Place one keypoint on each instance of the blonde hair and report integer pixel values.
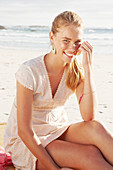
(74, 70)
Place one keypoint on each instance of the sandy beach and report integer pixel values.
(10, 60)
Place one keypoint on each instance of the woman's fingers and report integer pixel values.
(86, 47)
(89, 46)
(86, 54)
(87, 50)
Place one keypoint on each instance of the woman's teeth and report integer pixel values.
(69, 55)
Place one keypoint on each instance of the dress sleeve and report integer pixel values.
(25, 76)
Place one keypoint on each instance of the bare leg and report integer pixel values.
(94, 133)
(76, 156)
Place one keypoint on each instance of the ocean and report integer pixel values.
(37, 38)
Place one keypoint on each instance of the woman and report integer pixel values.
(38, 134)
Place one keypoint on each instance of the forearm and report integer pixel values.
(88, 103)
(34, 145)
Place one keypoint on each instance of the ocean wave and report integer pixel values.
(98, 30)
(41, 28)
(37, 37)
(37, 28)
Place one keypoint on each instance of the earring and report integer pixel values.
(53, 50)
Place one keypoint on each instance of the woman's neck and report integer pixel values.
(54, 64)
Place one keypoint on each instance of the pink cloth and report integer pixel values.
(5, 159)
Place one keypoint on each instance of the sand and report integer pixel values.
(10, 60)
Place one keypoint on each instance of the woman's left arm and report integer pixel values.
(85, 92)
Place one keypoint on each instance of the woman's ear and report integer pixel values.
(51, 36)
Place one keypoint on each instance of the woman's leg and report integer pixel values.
(93, 133)
(76, 156)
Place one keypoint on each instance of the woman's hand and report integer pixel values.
(87, 51)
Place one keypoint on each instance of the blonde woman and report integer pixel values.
(38, 134)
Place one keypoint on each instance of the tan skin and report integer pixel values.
(81, 145)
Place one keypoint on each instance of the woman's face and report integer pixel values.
(67, 42)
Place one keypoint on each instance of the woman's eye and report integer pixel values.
(66, 41)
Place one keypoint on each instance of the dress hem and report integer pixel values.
(54, 136)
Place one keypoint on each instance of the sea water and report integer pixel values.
(37, 38)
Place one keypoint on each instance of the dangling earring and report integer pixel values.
(53, 50)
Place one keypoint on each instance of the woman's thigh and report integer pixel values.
(83, 132)
(71, 155)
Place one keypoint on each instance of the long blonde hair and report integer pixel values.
(74, 70)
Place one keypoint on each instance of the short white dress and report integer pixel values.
(49, 119)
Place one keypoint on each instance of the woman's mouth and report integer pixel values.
(68, 55)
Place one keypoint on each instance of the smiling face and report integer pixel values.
(67, 42)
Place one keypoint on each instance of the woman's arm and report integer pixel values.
(25, 130)
(85, 92)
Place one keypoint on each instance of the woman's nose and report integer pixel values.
(72, 47)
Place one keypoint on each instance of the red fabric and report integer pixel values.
(5, 159)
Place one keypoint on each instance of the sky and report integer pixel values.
(95, 13)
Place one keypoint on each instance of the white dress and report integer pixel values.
(49, 119)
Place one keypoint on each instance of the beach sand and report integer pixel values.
(10, 60)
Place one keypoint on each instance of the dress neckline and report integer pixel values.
(48, 79)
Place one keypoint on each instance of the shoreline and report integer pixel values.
(103, 75)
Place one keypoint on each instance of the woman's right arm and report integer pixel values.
(25, 130)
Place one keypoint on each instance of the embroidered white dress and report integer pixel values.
(49, 119)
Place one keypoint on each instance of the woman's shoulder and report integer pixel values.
(30, 72)
(34, 62)
(35, 65)
(31, 68)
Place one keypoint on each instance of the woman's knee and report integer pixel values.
(95, 128)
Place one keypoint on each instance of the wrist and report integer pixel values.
(88, 70)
